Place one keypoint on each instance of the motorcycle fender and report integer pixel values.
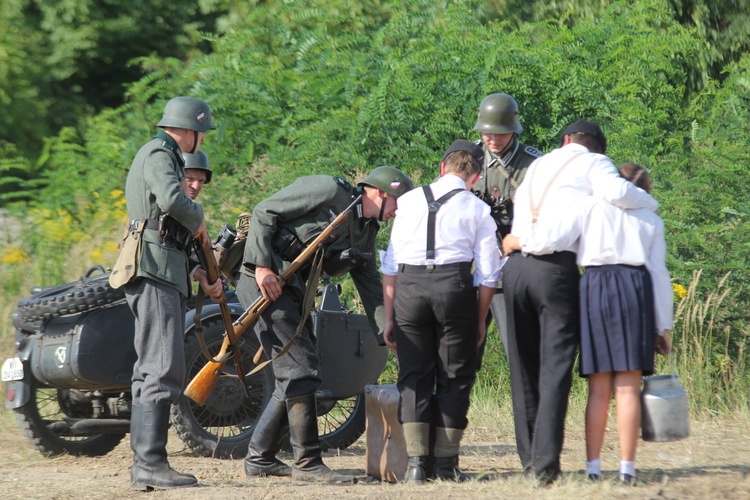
(209, 312)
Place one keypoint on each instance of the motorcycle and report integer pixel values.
(69, 380)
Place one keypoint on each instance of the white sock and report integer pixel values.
(594, 466)
(627, 467)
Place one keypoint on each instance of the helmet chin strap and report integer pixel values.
(382, 207)
(195, 143)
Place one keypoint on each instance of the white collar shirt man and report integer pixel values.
(561, 178)
(464, 232)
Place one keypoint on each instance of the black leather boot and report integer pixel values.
(446, 468)
(149, 426)
(272, 428)
(417, 471)
(303, 432)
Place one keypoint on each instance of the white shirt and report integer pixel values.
(610, 235)
(561, 178)
(464, 231)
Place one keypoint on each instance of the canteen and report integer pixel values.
(664, 409)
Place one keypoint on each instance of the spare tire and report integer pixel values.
(70, 298)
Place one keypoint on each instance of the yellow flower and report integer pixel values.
(12, 255)
(679, 290)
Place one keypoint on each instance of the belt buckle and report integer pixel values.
(430, 264)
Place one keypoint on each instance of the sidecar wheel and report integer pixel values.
(41, 421)
(70, 298)
(343, 424)
(223, 426)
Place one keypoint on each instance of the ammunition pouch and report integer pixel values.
(287, 244)
(173, 233)
(126, 266)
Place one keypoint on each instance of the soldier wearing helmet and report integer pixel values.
(506, 160)
(281, 227)
(165, 219)
(197, 172)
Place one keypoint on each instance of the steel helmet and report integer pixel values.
(188, 113)
(390, 180)
(498, 114)
(198, 161)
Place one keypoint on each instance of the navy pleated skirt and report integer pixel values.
(617, 320)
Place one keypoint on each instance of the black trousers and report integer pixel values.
(542, 302)
(436, 323)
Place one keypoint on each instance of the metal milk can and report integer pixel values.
(664, 409)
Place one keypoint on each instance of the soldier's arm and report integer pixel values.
(370, 289)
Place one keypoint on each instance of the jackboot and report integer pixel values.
(149, 426)
(303, 432)
(268, 436)
(417, 471)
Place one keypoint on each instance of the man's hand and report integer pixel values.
(389, 335)
(482, 331)
(510, 244)
(268, 283)
(214, 290)
(662, 343)
(202, 234)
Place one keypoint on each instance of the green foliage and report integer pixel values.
(340, 87)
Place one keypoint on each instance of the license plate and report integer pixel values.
(12, 370)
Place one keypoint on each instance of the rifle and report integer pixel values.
(208, 258)
(202, 384)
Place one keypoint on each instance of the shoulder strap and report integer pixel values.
(432, 208)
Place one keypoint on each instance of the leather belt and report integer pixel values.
(151, 224)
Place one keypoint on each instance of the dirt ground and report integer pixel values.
(713, 463)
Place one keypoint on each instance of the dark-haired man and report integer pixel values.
(541, 291)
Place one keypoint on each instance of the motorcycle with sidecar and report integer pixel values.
(68, 381)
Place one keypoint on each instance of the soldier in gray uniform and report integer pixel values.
(157, 199)
(281, 227)
(506, 160)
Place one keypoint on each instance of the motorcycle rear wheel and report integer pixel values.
(222, 428)
(42, 415)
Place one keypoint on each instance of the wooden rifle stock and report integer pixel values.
(202, 384)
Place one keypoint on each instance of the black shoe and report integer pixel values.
(596, 478)
(627, 479)
(446, 469)
(547, 477)
(417, 471)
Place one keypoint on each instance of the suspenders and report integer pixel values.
(433, 206)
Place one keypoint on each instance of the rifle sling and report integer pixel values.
(307, 304)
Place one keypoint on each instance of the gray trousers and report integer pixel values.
(159, 371)
(296, 372)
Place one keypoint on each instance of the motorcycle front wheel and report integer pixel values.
(223, 426)
(44, 423)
